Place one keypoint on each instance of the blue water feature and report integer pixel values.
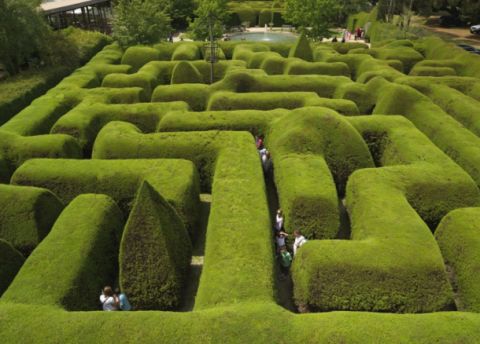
(263, 37)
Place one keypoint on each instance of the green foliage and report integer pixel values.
(195, 95)
(331, 274)
(458, 239)
(27, 215)
(155, 253)
(140, 21)
(76, 260)
(185, 72)
(10, 262)
(176, 180)
(302, 49)
(209, 11)
(138, 56)
(186, 51)
(314, 152)
(313, 17)
(23, 32)
(239, 213)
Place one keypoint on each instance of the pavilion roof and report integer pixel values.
(54, 6)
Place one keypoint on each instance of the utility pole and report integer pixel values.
(212, 47)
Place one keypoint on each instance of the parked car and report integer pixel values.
(475, 29)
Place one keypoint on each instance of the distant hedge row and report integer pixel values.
(17, 92)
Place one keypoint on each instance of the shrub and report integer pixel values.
(319, 68)
(462, 108)
(27, 215)
(138, 56)
(18, 149)
(238, 219)
(84, 122)
(408, 274)
(155, 253)
(185, 72)
(176, 180)
(457, 237)
(314, 151)
(195, 95)
(186, 51)
(17, 92)
(76, 260)
(10, 262)
(302, 49)
(455, 140)
(142, 80)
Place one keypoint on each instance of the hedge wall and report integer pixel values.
(176, 180)
(76, 260)
(10, 262)
(84, 122)
(238, 221)
(27, 215)
(388, 208)
(457, 237)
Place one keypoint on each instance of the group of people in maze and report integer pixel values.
(118, 301)
(284, 256)
(114, 301)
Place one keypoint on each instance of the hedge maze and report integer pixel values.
(376, 158)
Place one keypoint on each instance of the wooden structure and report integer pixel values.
(86, 14)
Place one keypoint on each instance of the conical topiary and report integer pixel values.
(155, 253)
(302, 49)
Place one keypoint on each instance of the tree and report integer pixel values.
(181, 11)
(141, 21)
(467, 10)
(348, 7)
(23, 32)
(214, 11)
(313, 17)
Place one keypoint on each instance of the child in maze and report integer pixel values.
(109, 300)
(280, 240)
(299, 241)
(285, 260)
(122, 298)
(279, 220)
(266, 162)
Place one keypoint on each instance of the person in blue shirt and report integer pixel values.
(124, 304)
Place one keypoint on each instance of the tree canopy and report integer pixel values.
(209, 10)
(23, 32)
(313, 17)
(141, 21)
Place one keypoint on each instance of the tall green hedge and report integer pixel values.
(176, 180)
(155, 253)
(27, 215)
(10, 262)
(76, 260)
(458, 239)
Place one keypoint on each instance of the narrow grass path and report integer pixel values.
(198, 252)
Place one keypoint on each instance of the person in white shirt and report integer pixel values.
(299, 241)
(109, 300)
(279, 220)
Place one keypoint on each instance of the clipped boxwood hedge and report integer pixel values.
(458, 239)
(155, 253)
(10, 262)
(176, 180)
(27, 215)
(76, 260)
